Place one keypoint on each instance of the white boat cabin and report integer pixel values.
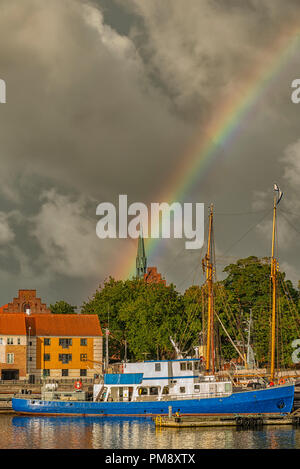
(160, 380)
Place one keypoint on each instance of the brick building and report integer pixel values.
(13, 346)
(35, 343)
(152, 276)
(50, 345)
(26, 299)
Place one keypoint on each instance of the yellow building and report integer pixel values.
(64, 346)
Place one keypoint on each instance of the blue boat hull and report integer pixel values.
(263, 401)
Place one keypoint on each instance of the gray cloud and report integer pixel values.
(104, 98)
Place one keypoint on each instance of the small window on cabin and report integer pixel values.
(196, 365)
(189, 366)
(143, 391)
(182, 390)
(157, 367)
(165, 390)
(197, 388)
(182, 366)
(153, 391)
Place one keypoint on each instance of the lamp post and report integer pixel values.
(29, 351)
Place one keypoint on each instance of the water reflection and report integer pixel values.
(130, 433)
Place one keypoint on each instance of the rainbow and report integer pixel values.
(221, 128)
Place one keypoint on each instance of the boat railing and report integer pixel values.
(172, 397)
(197, 395)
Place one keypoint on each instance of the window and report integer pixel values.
(157, 367)
(82, 372)
(1, 341)
(46, 373)
(65, 357)
(227, 387)
(196, 365)
(65, 372)
(182, 366)
(19, 341)
(65, 343)
(182, 390)
(83, 357)
(10, 341)
(83, 342)
(153, 391)
(189, 366)
(46, 357)
(197, 388)
(10, 358)
(165, 390)
(47, 342)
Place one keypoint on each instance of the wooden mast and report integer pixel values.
(209, 280)
(274, 292)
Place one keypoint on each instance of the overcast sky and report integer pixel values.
(104, 98)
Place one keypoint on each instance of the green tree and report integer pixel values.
(248, 287)
(62, 307)
(145, 315)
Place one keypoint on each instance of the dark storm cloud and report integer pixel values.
(103, 98)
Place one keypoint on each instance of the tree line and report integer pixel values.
(146, 320)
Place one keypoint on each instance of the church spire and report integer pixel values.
(141, 259)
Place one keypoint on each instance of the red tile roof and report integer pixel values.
(80, 325)
(12, 324)
(72, 325)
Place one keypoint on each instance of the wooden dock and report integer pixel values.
(242, 421)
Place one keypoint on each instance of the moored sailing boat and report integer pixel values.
(154, 387)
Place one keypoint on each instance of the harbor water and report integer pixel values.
(26, 432)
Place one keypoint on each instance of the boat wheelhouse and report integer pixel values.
(160, 380)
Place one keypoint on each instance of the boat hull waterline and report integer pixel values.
(278, 399)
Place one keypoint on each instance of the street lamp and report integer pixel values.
(29, 354)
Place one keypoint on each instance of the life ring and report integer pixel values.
(281, 381)
(271, 383)
(78, 384)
